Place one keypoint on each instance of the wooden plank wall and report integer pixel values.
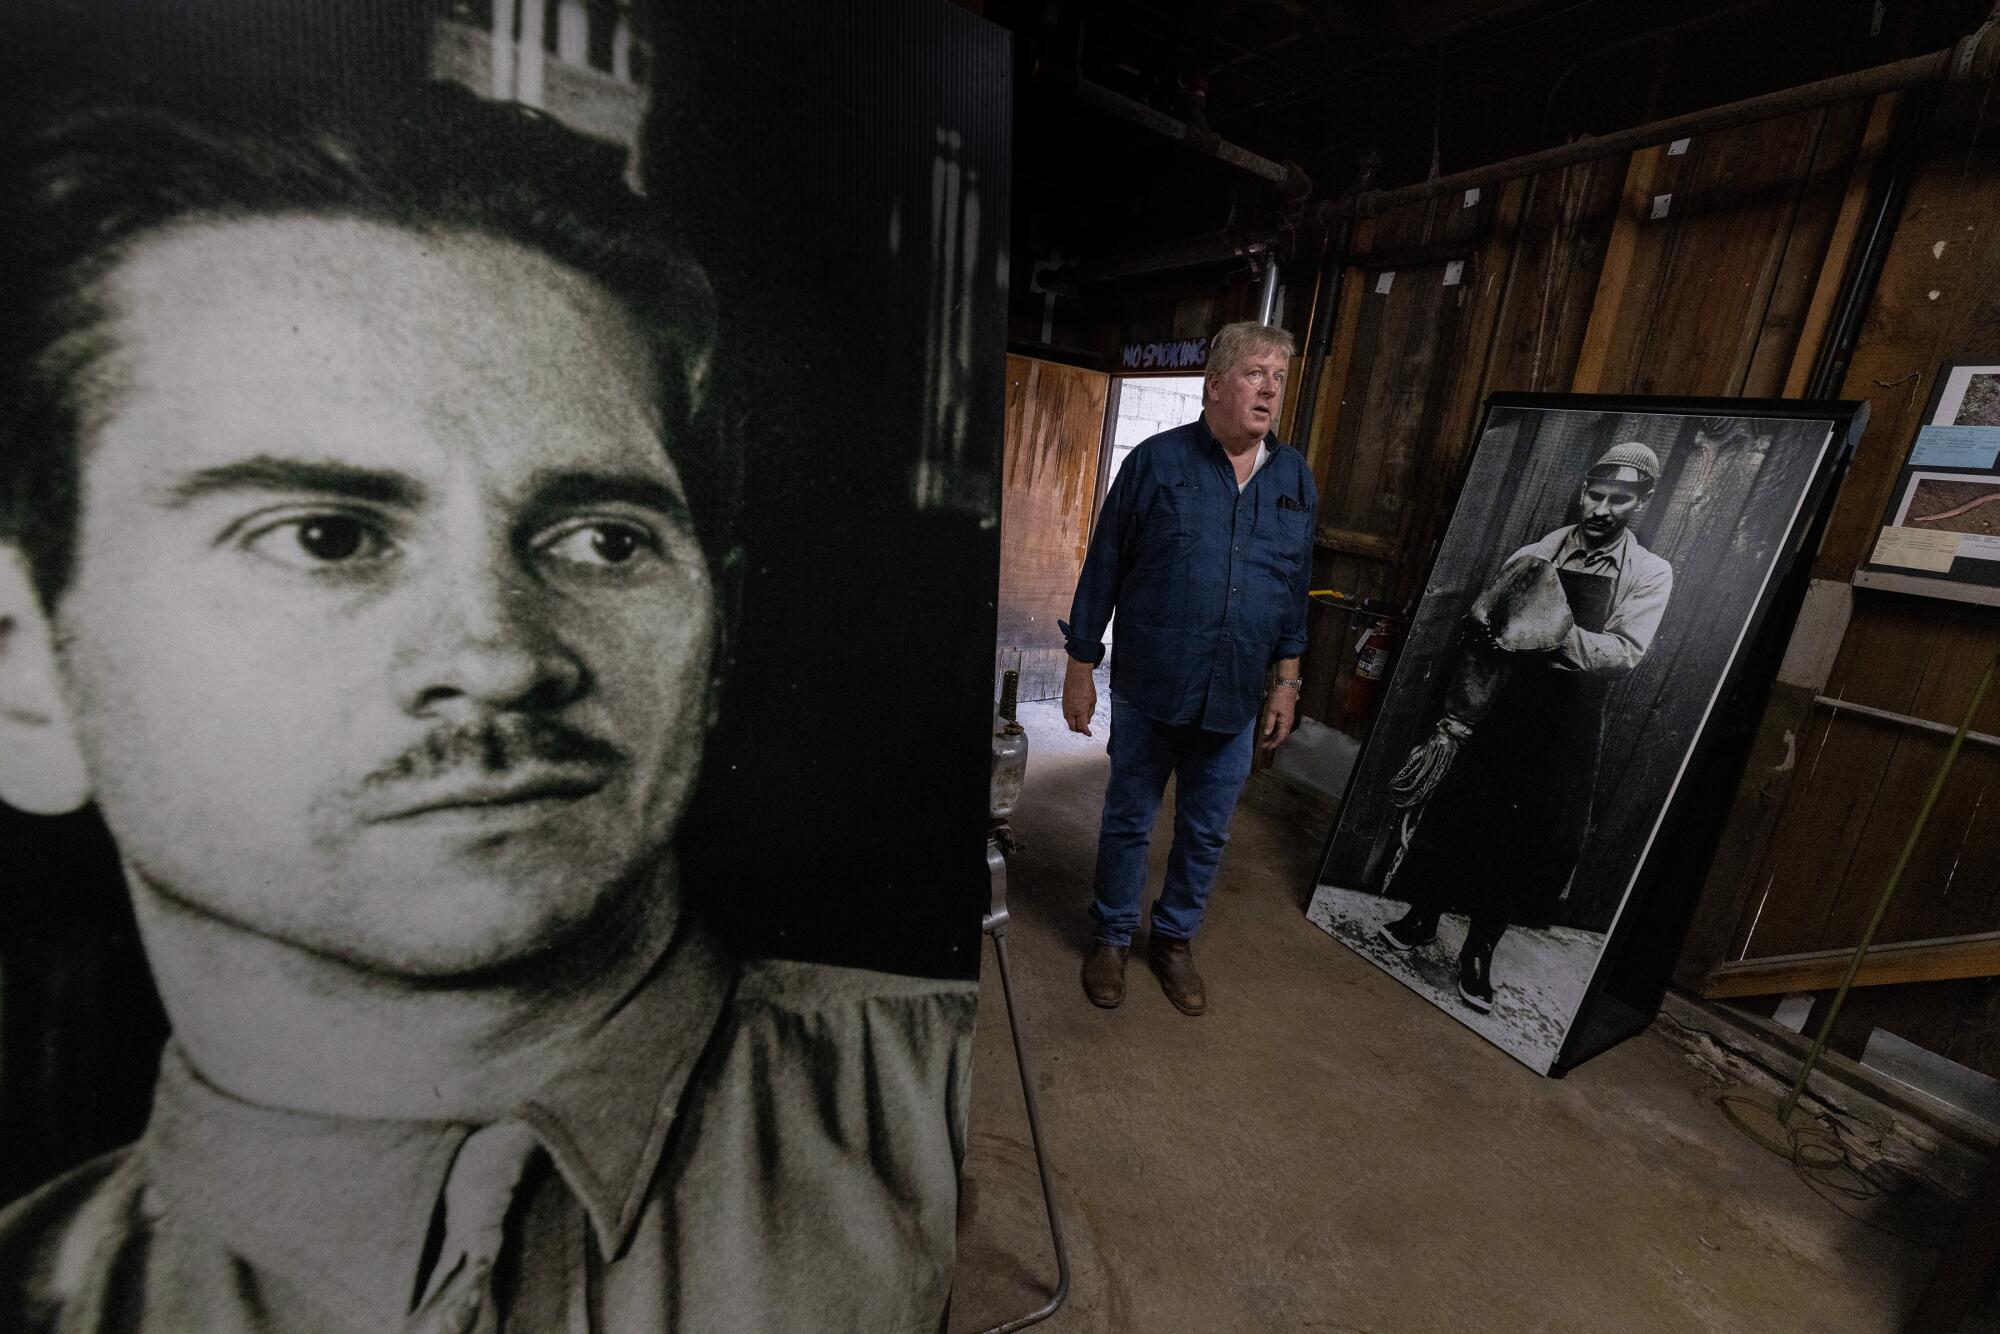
(1714, 302)
(1591, 280)
(1830, 798)
(1575, 279)
(1861, 782)
(1399, 347)
(1054, 430)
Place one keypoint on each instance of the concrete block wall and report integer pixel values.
(1148, 406)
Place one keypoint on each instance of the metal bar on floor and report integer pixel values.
(1772, 1127)
(996, 926)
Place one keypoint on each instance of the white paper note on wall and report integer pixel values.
(1915, 549)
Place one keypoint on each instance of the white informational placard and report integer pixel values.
(1940, 533)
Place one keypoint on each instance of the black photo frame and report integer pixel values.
(1741, 491)
(817, 277)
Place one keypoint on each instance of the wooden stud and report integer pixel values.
(1840, 248)
(1288, 415)
(1491, 276)
(1641, 174)
(1371, 545)
(1936, 280)
(1940, 960)
(1835, 773)
(1333, 384)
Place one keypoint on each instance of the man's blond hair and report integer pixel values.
(1245, 338)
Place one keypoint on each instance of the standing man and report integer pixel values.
(1491, 809)
(363, 558)
(1204, 549)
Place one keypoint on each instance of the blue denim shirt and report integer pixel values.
(1209, 585)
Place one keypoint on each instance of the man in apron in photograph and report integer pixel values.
(1492, 807)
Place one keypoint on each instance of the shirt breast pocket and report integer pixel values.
(1284, 536)
(1172, 521)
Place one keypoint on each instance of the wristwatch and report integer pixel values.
(1291, 682)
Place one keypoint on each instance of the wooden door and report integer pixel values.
(1054, 435)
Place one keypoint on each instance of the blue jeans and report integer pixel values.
(1209, 769)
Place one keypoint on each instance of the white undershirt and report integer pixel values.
(1263, 453)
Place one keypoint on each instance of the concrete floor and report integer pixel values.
(1325, 1151)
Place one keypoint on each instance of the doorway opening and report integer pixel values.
(1142, 406)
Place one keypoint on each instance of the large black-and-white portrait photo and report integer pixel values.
(463, 477)
(1591, 595)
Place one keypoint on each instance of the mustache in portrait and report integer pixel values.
(494, 746)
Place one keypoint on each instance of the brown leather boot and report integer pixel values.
(1104, 974)
(1174, 963)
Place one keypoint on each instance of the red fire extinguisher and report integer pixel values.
(1372, 653)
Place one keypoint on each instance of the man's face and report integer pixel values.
(1243, 401)
(1607, 508)
(388, 636)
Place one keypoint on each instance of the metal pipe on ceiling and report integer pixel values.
(1287, 176)
(1345, 77)
(1974, 57)
(1217, 248)
(1626, 43)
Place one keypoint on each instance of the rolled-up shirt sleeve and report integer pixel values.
(1104, 567)
(1628, 633)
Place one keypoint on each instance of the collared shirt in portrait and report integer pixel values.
(1208, 578)
(1641, 585)
(765, 1147)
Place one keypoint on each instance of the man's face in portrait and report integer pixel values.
(1243, 401)
(1608, 508)
(387, 635)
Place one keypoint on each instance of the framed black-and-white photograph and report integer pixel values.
(1608, 563)
(466, 468)
(1940, 534)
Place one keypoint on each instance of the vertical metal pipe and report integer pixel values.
(1319, 339)
(1337, 217)
(1843, 333)
(1267, 299)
